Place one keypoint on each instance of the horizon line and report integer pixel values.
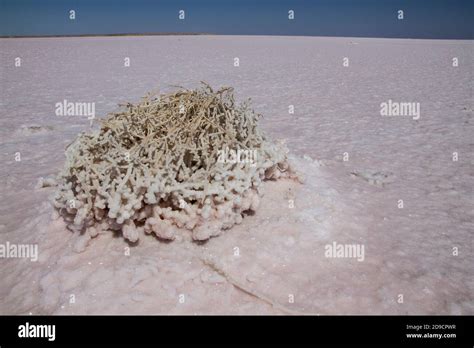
(213, 34)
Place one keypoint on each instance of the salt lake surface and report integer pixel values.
(389, 184)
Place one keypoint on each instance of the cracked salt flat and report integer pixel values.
(408, 251)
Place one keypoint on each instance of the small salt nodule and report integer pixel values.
(161, 166)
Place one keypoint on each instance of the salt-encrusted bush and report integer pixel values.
(190, 160)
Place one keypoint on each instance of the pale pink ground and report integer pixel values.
(408, 251)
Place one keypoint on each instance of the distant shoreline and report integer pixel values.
(213, 34)
(98, 35)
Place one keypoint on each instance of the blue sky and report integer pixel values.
(444, 19)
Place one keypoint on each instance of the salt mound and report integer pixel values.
(190, 160)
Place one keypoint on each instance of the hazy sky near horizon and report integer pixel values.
(442, 19)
